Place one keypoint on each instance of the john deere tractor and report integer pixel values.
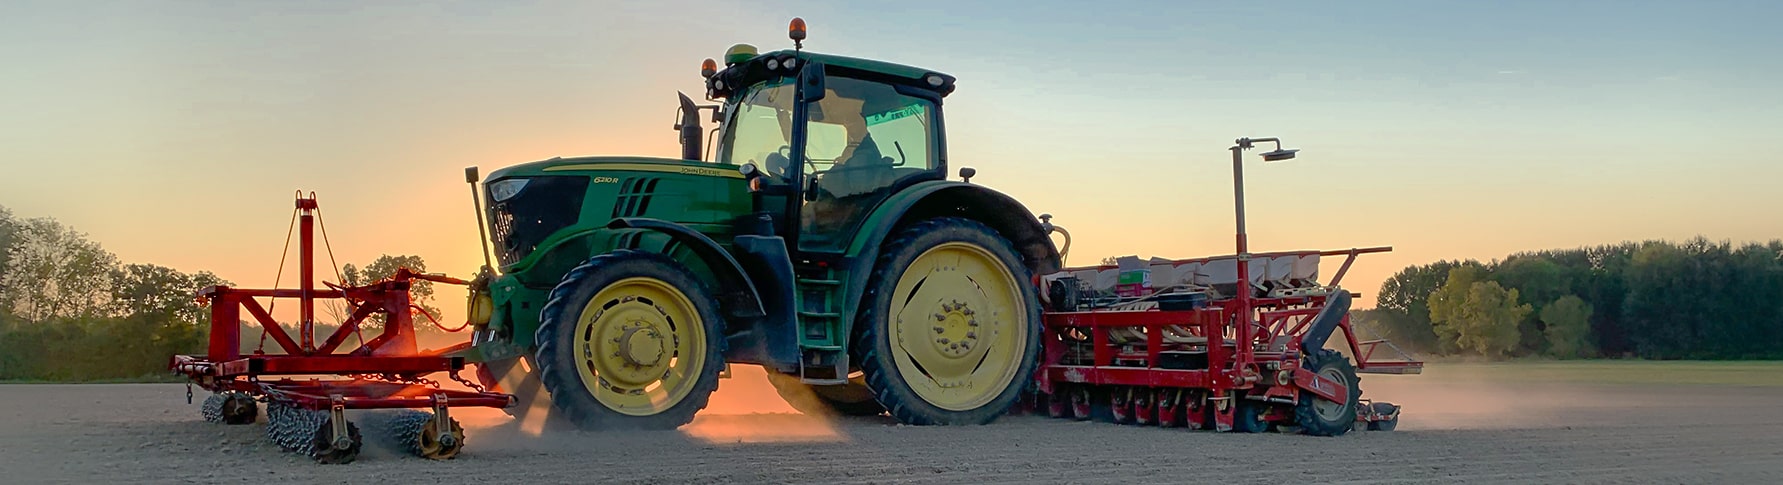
(821, 240)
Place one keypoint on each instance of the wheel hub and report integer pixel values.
(956, 329)
(640, 345)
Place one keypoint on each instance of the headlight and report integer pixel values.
(773, 64)
(506, 189)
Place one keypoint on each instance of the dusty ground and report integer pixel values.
(1458, 427)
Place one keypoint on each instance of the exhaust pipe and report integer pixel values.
(691, 132)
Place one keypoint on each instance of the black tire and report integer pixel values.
(558, 366)
(874, 334)
(851, 399)
(532, 409)
(1248, 416)
(239, 408)
(1314, 414)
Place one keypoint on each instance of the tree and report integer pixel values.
(1402, 306)
(148, 289)
(420, 293)
(1568, 327)
(8, 235)
(54, 272)
(1480, 317)
(1445, 304)
(1538, 281)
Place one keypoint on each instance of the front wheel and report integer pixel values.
(950, 331)
(630, 340)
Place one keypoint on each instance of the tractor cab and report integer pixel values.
(826, 138)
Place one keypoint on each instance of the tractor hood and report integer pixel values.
(565, 203)
(556, 166)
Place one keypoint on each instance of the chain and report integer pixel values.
(397, 379)
(467, 382)
(419, 380)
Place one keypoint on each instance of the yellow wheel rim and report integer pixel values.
(640, 345)
(958, 324)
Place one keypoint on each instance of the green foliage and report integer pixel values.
(1478, 317)
(1662, 300)
(421, 292)
(1568, 327)
(69, 312)
(55, 273)
(1538, 280)
(1402, 311)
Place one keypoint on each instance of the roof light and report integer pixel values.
(796, 30)
(933, 80)
(790, 63)
(773, 64)
(708, 68)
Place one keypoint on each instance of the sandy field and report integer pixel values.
(1462, 424)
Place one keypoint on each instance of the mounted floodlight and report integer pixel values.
(1278, 155)
(708, 68)
(796, 32)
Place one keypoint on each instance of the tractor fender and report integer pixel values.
(736, 292)
(942, 198)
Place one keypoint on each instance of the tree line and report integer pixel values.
(71, 311)
(1697, 299)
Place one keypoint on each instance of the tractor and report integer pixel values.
(819, 238)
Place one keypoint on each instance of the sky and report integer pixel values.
(175, 133)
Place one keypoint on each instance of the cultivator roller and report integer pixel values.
(386, 374)
(1226, 343)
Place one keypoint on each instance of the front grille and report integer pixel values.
(544, 205)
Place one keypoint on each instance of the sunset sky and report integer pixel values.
(176, 132)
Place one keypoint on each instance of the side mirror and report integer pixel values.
(966, 173)
(811, 82)
(470, 175)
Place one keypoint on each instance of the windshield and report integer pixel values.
(760, 129)
(892, 127)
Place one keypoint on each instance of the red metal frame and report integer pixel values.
(1236, 335)
(393, 353)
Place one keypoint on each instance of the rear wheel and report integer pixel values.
(1318, 416)
(950, 331)
(630, 340)
(851, 399)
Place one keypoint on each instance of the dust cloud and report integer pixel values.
(1465, 398)
(745, 409)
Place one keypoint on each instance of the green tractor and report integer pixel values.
(822, 240)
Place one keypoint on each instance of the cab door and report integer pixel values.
(863, 141)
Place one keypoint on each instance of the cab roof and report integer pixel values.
(755, 69)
